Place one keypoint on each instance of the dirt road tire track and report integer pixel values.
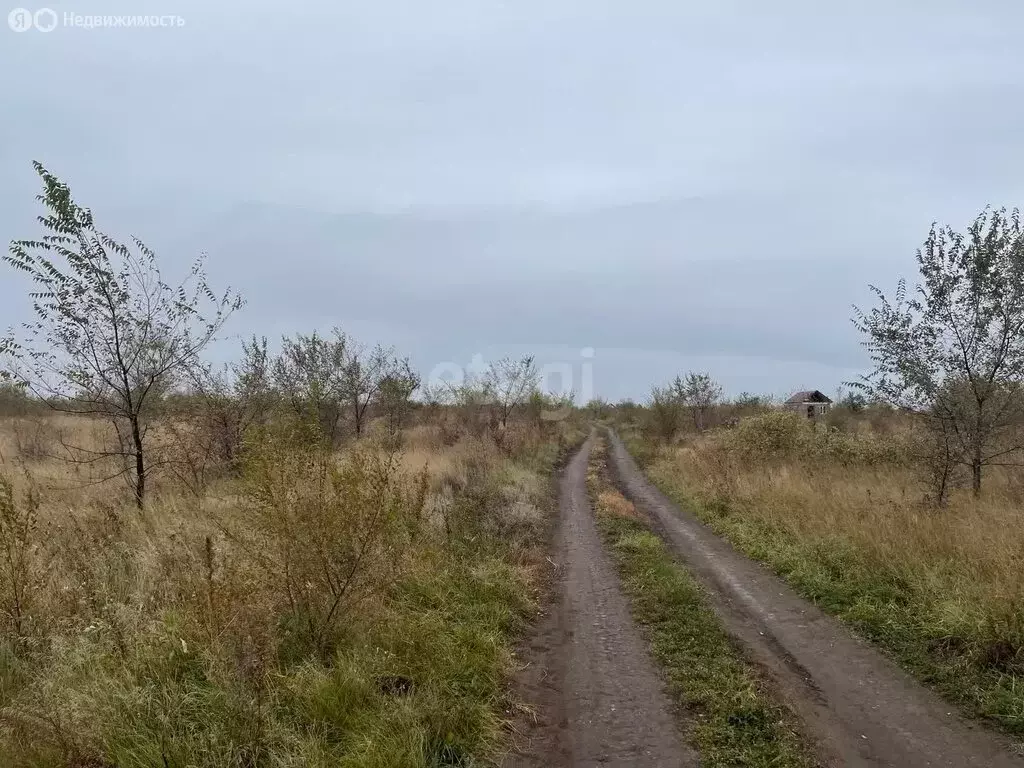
(861, 707)
(599, 699)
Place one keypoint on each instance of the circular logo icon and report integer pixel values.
(20, 20)
(45, 19)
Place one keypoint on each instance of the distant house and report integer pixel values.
(811, 403)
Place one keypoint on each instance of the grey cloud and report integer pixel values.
(672, 183)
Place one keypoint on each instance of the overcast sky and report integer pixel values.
(673, 184)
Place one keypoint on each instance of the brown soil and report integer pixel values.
(598, 698)
(860, 706)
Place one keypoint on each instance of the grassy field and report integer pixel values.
(322, 608)
(841, 516)
(732, 717)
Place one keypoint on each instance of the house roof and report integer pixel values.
(808, 396)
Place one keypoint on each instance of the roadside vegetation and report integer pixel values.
(902, 510)
(732, 716)
(288, 561)
(844, 518)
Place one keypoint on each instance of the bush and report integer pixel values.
(325, 531)
(777, 433)
(13, 400)
(788, 435)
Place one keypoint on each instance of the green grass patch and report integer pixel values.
(425, 687)
(418, 686)
(733, 719)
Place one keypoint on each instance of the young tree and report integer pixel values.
(435, 396)
(326, 378)
(699, 393)
(547, 408)
(510, 383)
(854, 402)
(365, 372)
(598, 408)
(110, 337)
(312, 374)
(470, 400)
(394, 397)
(627, 411)
(952, 351)
(749, 400)
(666, 409)
(227, 403)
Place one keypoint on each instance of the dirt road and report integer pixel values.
(598, 695)
(861, 707)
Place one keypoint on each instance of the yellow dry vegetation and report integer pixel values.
(355, 607)
(846, 519)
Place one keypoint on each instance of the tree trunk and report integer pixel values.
(140, 464)
(981, 432)
(976, 471)
(946, 469)
(943, 485)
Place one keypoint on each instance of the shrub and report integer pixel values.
(777, 433)
(13, 400)
(326, 532)
(786, 435)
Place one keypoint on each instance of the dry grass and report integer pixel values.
(62, 453)
(36, 443)
(612, 502)
(969, 554)
(942, 589)
(356, 609)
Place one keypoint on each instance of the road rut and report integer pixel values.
(861, 708)
(599, 699)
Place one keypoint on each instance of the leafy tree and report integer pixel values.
(666, 412)
(952, 350)
(366, 371)
(627, 410)
(470, 404)
(855, 402)
(110, 337)
(546, 408)
(597, 408)
(312, 374)
(510, 383)
(699, 393)
(750, 400)
(228, 403)
(394, 397)
(324, 379)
